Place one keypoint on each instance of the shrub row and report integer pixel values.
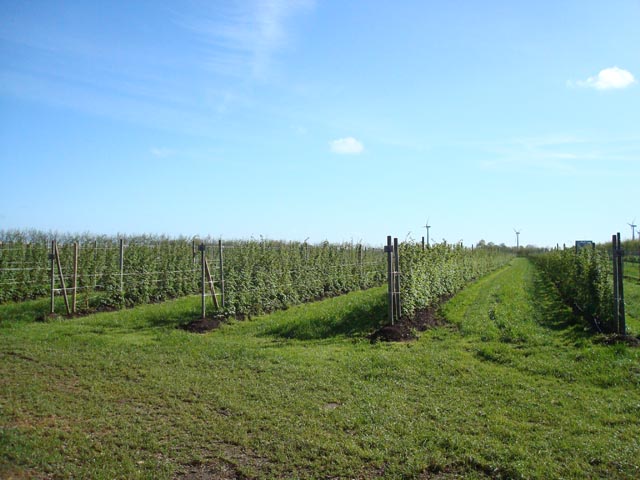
(441, 270)
(583, 280)
(260, 275)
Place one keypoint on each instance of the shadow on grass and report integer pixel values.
(171, 314)
(176, 313)
(27, 311)
(170, 319)
(312, 323)
(555, 314)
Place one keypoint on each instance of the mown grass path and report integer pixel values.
(510, 389)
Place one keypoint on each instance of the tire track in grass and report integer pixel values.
(497, 307)
(516, 319)
(562, 384)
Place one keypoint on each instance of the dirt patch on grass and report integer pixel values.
(203, 325)
(405, 329)
(229, 462)
(213, 470)
(14, 473)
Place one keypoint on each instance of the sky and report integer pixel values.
(326, 120)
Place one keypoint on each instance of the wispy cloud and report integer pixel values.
(561, 154)
(244, 37)
(164, 83)
(607, 79)
(346, 146)
(161, 152)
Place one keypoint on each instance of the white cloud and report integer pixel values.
(346, 146)
(609, 79)
(160, 152)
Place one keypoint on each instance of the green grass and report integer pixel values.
(631, 270)
(632, 305)
(512, 388)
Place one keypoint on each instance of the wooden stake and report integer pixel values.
(202, 264)
(389, 251)
(210, 281)
(397, 304)
(616, 310)
(64, 288)
(222, 294)
(75, 275)
(622, 321)
(52, 257)
(122, 266)
(95, 264)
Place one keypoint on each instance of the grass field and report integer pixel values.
(512, 387)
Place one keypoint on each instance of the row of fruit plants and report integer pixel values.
(428, 275)
(584, 281)
(259, 275)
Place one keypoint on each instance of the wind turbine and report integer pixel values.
(517, 238)
(633, 229)
(427, 226)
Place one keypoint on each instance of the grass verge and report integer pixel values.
(512, 388)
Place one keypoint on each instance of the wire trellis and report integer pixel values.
(133, 271)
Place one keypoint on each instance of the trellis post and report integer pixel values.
(122, 266)
(622, 320)
(619, 321)
(75, 276)
(389, 251)
(52, 257)
(202, 264)
(397, 303)
(222, 295)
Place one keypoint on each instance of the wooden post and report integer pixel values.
(622, 320)
(64, 288)
(220, 248)
(75, 276)
(202, 263)
(52, 257)
(122, 266)
(210, 282)
(389, 251)
(95, 263)
(422, 243)
(616, 310)
(397, 303)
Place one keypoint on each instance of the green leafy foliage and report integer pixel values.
(263, 276)
(442, 270)
(584, 281)
(259, 275)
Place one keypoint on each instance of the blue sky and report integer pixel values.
(322, 119)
